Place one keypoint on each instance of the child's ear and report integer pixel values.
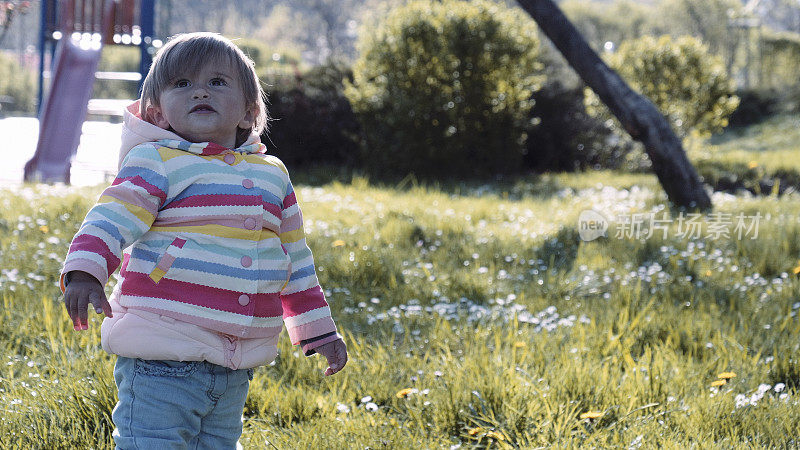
(155, 116)
(248, 120)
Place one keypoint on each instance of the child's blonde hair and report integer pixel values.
(189, 52)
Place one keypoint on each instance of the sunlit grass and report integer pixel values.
(475, 318)
(763, 158)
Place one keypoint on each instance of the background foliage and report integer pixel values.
(681, 77)
(117, 58)
(17, 87)
(443, 88)
(313, 122)
(316, 123)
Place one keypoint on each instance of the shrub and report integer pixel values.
(686, 83)
(566, 137)
(17, 87)
(313, 122)
(444, 89)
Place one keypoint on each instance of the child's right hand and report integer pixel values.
(83, 289)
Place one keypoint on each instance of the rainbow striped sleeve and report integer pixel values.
(305, 311)
(124, 212)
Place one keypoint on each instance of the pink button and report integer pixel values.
(246, 261)
(248, 184)
(250, 223)
(229, 159)
(244, 300)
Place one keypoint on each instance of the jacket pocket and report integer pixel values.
(169, 256)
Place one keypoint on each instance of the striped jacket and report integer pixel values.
(216, 240)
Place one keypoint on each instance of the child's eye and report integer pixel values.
(218, 82)
(182, 83)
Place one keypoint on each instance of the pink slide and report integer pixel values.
(63, 112)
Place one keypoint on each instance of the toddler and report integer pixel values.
(218, 261)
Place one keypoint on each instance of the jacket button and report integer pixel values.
(229, 158)
(250, 223)
(244, 300)
(247, 183)
(246, 261)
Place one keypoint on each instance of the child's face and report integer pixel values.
(206, 106)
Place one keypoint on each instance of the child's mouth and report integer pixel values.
(202, 109)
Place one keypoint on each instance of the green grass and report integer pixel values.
(768, 143)
(481, 300)
(762, 158)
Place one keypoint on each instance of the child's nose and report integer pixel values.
(200, 93)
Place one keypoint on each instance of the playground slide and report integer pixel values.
(63, 112)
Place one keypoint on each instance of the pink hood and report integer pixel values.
(136, 130)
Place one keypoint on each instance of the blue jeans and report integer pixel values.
(178, 405)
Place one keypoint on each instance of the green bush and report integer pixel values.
(566, 138)
(444, 89)
(17, 87)
(312, 120)
(686, 83)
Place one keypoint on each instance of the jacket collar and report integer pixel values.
(210, 148)
(136, 131)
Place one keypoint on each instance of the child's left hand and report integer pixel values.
(336, 354)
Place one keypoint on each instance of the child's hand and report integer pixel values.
(82, 290)
(336, 353)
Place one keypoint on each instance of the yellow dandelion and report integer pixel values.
(718, 383)
(752, 165)
(519, 344)
(403, 393)
(726, 375)
(44, 228)
(708, 273)
(474, 431)
(796, 270)
(337, 243)
(495, 435)
(591, 415)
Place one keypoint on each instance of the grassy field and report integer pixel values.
(772, 144)
(762, 158)
(475, 317)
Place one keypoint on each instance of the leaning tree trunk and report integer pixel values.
(637, 114)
